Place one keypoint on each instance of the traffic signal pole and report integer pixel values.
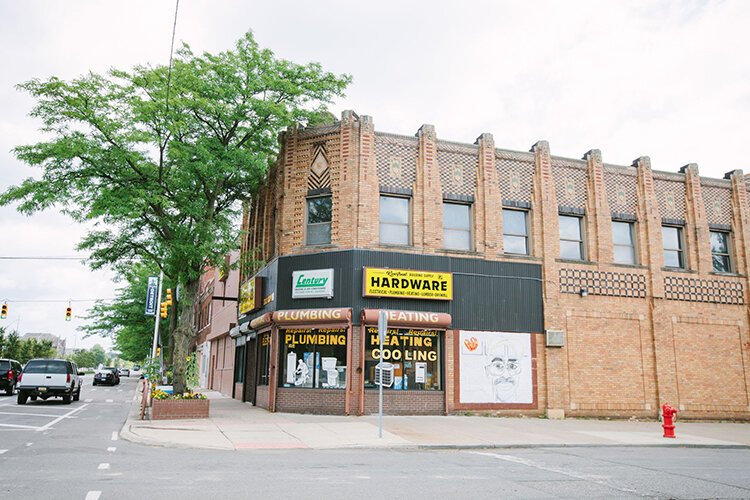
(157, 317)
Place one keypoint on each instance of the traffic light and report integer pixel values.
(169, 297)
(164, 312)
(4, 313)
(68, 313)
(158, 351)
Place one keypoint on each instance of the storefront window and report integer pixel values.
(239, 360)
(411, 359)
(264, 359)
(313, 357)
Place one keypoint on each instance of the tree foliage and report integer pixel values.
(159, 160)
(13, 347)
(90, 358)
(123, 320)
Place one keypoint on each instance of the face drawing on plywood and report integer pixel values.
(503, 369)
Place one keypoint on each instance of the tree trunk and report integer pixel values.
(183, 337)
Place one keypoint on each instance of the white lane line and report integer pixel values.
(114, 436)
(75, 410)
(111, 449)
(89, 400)
(30, 414)
(93, 495)
(29, 444)
(103, 466)
(558, 470)
(110, 401)
(19, 426)
(3, 451)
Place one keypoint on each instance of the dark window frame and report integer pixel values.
(308, 224)
(679, 251)
(525, 236)
(581, 241)
(408, 220)
(469, 229)
(724, 256)
(632, 246)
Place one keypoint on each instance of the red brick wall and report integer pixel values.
(170, 409)
(319, 401)
(406, 402)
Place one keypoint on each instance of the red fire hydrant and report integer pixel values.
(668, 413)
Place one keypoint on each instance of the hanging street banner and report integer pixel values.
(407, 284)
(151, 299)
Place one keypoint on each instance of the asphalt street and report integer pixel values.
(52, 450)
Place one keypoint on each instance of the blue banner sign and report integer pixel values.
(153, 284)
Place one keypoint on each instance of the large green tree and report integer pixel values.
(158, 158)
(123, 319)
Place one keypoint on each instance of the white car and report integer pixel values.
(47, 378)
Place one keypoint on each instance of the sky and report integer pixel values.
(666, 79)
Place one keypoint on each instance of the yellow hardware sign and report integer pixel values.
(407, 284)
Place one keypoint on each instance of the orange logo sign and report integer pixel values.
(471, 344)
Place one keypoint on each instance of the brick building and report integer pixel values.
(514, 282)
(215, 315)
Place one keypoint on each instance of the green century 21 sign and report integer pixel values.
(315, 283)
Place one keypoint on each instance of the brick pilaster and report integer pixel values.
(599, 217)
(650, 226)
(740, 221)
(696, 232)
(368, 206)
(489, 205)
(293, 201)
(546, 233)
(428, 194)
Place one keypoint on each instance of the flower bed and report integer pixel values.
(173, 406)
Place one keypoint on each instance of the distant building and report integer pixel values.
(57, 343)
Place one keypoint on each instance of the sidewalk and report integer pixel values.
(234, 425)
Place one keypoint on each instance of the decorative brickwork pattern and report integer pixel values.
(516, 174)
(396, 160)
(458, 168)
(603, 283)
(622, 192)
(570, 182)
(718, 201)
(320, 175)
(670, 195)
(701, 290)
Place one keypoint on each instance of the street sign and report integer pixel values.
(151, 295)
(382, 327)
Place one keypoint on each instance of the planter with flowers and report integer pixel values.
(166, 406)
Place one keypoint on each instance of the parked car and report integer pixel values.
(48, 378)
(124, 372)
(107, 375)
(136, 368)
(10, 370)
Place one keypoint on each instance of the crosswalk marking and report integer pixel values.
(2, 451)
(93, 495)
(114, 436)
(111, 449)
(103, 466)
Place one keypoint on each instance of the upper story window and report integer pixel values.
(571, 237)
(674, 252)
(624, 242)
(456, 226)
(515, 231)
(319, 220)
(720, 252)
(394, 220)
